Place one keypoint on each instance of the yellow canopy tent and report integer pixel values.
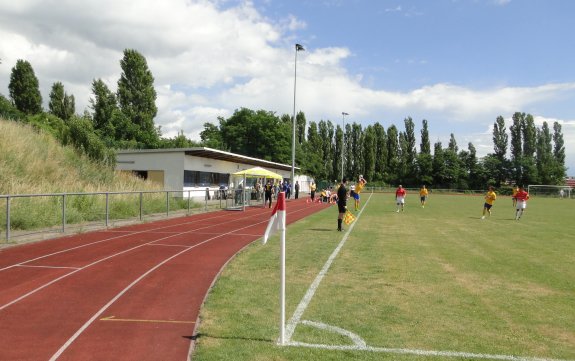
(258, 172)
(241, 193)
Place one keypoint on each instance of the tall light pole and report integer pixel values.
(282, 340)
(343, 114)
(298, 47)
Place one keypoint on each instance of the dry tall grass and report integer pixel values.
(33, 162)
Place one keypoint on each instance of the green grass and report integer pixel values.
(438, 278)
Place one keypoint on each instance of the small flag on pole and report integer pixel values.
(278, 218)
(348, 218)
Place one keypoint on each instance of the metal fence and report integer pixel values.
(164, 202)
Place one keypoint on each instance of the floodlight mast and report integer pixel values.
(343, 114)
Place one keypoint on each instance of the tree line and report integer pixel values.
(522, 154)
(390, 156)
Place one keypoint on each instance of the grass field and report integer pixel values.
(426, 284)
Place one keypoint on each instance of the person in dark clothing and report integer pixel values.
(341, 203)
(268, 188)
(296, 189)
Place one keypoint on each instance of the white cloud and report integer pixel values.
(209, 60)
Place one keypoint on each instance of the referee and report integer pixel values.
(341, 202)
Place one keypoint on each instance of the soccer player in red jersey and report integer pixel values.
(522, 197)
(400, 198)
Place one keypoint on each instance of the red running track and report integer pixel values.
(129, 293)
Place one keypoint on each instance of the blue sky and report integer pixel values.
(457, 63)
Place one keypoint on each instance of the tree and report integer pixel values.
(61, 104)
(544, 155)
(24, 88)
(439, 176)
(380, 151)
(212, 137)
(312, 160)
(369, 146)
(452, 165)
(424, 159)
(559, 170)
(500, 143)
(392, 155)
(258, 134)
(529, 133)
(410, 151)
(137, 97)
(517, 147)
(104, 105)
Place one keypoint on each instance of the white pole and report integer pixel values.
(283, 286)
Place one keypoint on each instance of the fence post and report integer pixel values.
(188, 201)
(8, 219)
(64, 213)
(167, 203)
(141, 196)
(107, 209)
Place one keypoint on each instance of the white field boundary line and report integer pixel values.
(292, 323)
(405, 351)
(360, 345)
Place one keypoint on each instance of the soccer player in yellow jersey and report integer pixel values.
(423, 195)
(514, 195)
(489, 199)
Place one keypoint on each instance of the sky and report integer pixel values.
(459, 64)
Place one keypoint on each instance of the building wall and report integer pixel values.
(169, 163)
(167, 168)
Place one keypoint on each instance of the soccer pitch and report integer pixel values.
(426, 284)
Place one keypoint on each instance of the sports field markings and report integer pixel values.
(55, 267)
(113, 318)
(99, 313)
(404, 351)
(292, 323)
(74, 271)
(358, 343)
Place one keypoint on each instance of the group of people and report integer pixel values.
(342, 198)
(271, 190)
(519, 198)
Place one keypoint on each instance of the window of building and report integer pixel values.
(194, 178)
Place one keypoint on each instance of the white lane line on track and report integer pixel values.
(57, 267)
(6, 305)
(121, 293)
(292, 323)
(85, 267)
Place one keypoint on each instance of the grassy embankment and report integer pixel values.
(33, 162)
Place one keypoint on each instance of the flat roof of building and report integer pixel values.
(211, 153)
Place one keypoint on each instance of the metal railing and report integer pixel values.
(173, 201)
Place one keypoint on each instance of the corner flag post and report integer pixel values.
(278, 222)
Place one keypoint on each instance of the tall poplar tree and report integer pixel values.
(500, 143)
(517, 147)
(529, 133)
(380, 151)
(25, 89)
(392, 155)
(424, 159)
(61, 104)
(559, 170)
(544, 155)
(137, 98)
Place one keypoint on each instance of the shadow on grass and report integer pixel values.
(203, 335)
